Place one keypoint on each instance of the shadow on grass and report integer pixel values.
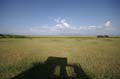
(54, 68)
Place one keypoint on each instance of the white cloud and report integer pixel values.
(91, 27)
(108, 24)
(63, 27)
(61, 23)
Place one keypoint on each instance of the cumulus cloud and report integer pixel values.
(61, 23)
(63, 27)
(108, 24)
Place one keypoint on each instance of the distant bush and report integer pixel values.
(102, 36)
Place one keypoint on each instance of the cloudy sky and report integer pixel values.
(60, 17)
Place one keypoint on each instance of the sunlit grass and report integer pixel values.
(99, 57)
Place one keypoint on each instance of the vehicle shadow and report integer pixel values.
(54, 68)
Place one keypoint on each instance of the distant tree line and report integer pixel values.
(103, 36)
(11, 36)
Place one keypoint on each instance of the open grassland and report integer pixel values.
(98, 57)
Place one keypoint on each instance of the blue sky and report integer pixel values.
(60, 17)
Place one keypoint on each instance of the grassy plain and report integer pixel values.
(98, 57)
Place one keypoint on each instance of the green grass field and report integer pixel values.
(98, 57)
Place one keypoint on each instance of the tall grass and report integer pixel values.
(99, 58)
